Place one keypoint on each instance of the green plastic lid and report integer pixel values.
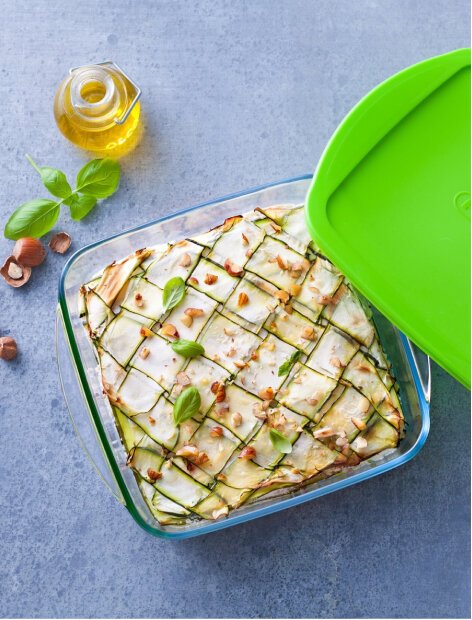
(390, 204)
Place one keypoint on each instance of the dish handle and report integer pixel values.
(422, 364)
(78, 412)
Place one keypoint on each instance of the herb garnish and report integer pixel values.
(286, 367)
(186, 405)
(98, 179)
(280, 442)
(187, 348)
(173, 293)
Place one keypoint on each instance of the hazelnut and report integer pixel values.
(186, 320)
(169, 330)
(266, 393)
(280, 262)
(153, 474)
(60, 242)
(247, 453)
(138, 300)
(145, 332)
(8, 348)
(193, 280)
(282, 295)
(29, 252)
(194, 312)
(182, 378)
(245, 239)
(237, 419)
(243, 299)
(358, 423)
(323, 432)
(308, 333)
(186, 260)
(216, 431)
(214, 387)
(294, 289)
(143, 354)
(15, 274)
(232, 268)
(210, 278)
(221, 512)
(220, 393)
(189, 452)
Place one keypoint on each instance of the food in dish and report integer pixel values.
(239, 364)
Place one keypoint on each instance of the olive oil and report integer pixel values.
(96, 107)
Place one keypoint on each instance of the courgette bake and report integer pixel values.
(238, 363)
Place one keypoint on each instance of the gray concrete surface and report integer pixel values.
(234, 94)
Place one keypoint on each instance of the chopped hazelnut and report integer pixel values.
(245, 239)
(193, 280)
(182, 378)
(266, 393)
(282, 295)
(153, 474)
(143, 354)
(169, 330)
(138, 299)
(194, 312)
(323, 432)
(294, 289)
(308, 333)
(247, 453)
(186, 260)
(210, 278)
(232, 268)
(220, 393)
(243, 299)
(145, 332)
(216, 431)
(237, 419)
(186, 320)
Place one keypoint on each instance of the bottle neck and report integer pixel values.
(95, 95)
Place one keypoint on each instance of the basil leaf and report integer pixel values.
(99, 178)
(187, 348)
(286, 367)
(173, 293)
(186, 405)
(280, 442)
(81, 205)
(33, 219)
(53, 179)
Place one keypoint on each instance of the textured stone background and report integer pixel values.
(235, 94)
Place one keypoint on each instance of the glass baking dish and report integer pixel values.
(92, 416)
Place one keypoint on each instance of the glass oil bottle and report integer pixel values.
(97, 108)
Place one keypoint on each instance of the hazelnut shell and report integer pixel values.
(8, 348)
(60, 242)
(12, 281)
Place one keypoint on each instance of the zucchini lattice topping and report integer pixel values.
(239, 363)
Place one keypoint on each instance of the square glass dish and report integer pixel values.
(91, 413)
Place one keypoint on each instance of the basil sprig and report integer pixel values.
(279, 441)
(286, 367)
(98, 179)
(186, 405)
(173, 293)
(187, 348)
